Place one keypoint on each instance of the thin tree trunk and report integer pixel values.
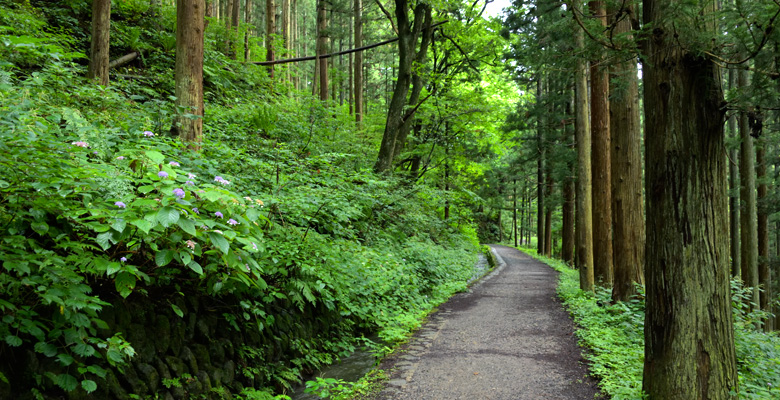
(689, 332)
(548, 245)
(248, 20)
(514, 209)
(540, 168)
(735, 239)
(99, 54)
(628, 212)
(322, 48)
(270, 30)
(748, 211)
(358, 86)
(228, 12)
(602, 192)
(764, 278)
(188, 73)
(584, 214)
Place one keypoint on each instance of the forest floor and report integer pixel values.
(507, 338)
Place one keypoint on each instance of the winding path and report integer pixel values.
(508, 338)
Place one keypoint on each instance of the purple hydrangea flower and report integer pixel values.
(191, 175)
(174, 164)
(120, 158)
(254, 246)
(189, 183)
(148, 133)
(80, 144)
(162, 174)
(218, 214)
(221, 180)
(123, 259)
(195, 210)
(179, 192)
(232, 222)
(120, 204)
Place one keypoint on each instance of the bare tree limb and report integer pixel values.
(387, 14)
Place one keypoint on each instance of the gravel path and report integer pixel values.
(508, 338)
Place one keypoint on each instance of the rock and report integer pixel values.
(177, 336)
(137, 385)
(114, 388)
(177, 366)
(162, 369)
(204, 379)
(142, 342)
(150, 376)
(203, 332)
(189, 358)
(216, 375)
(162, 331)
(229, 370)
(217, 352)
(202, 354)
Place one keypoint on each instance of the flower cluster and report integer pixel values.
(221, 180)
(148, 133)
(179, 192)
(218, 214)
(81, 144)
(120, 204)
(232, 222)
(174, 164)
(162, 174)
(120, 158)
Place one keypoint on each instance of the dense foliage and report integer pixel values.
(99, 204)
(613, 335)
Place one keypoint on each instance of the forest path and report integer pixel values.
(507, 338)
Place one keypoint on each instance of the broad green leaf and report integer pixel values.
(88, 385)
(163, 257)
(196, 267)
(65, 359)
(145, 189)
(104, 240)
(142, 224)
(113, 268)
(67, 382)
(155, 156)
(13, 340)
(167, 216)
(84, 349)
(119, 225)
(125, 283)
(40, 227)
(252, 214)
(47, 349)
(185, 256)
(187, 225)
(219, 241)
(177, 310)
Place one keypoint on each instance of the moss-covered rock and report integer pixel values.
(150, 375)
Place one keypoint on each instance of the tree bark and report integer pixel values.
(689, 332)
(248, 20)
(748, 210)
(99, 48)
(734, 235)
(322, 48)
(602, 192)
(628, 212)
(358, 65)
(408, 34)
(764, 278)
(567, 230)
(540, 168)
(270, 30)
(584, 216)
(189, 69)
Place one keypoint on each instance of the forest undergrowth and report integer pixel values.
(98, 200)
(613, 335)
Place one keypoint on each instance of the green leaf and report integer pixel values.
(13, 340)
(119, 225)
(155, 156)
(177, 310)
(167, 216)
(47, 349)
(104, 240)
(252, 214)
(65, 359)
(88, 385)
(125, 283)
(196, 267)
(40, 227)
(163, 257)
(113, 268)
(188, 226)
(219, 241)
(142, 224)
(145, 189)
(66, 381)
(84, 350)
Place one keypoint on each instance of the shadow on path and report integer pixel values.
(508, 338)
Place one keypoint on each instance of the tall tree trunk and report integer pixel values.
(248, 20)
(628, 212)
(734, 238)
(540, 168)
(689, 332)
(764, 278)
(514, 210)
(408, 34)
(567, 229)
(358, 74)
(188, 73)
(548, 245)
(602, 192)
(322, 48)
(99, 55)
(270, 31)
(748, 210)
(228, 13)
(584, 214)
